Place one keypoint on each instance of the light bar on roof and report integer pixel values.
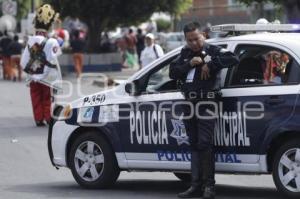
(255, 27)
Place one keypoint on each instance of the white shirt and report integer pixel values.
(148, 54)
(52, 51)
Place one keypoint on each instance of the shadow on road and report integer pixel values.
(223, 191)
(137, 189)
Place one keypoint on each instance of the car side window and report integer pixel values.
(263, 66)
(158, 79)
(222, 45)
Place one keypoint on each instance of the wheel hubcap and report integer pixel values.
(89, 161)
(289, 170)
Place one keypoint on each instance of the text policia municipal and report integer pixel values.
(151, 127)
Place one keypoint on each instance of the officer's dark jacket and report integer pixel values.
(216, 58)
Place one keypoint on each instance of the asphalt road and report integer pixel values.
(26, 171)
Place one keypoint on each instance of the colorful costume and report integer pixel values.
(39, 60)
(275, 66)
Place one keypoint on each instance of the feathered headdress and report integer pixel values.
(45, 16)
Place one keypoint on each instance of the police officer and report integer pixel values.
(196, 69)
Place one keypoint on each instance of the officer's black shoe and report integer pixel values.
(192, 192)
(209, 193)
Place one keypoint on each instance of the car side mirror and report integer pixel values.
(133, 88)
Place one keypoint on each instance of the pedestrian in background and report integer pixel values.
(6, 59)
(78, 46)
(1, 56)
(151, 52)
(39, 59)
(131, 41)
(131, 59)
(15, 50)
(140, 44)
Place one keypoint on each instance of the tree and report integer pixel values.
(23, 8)
(102, 15)
(291, 8)
(163, 25)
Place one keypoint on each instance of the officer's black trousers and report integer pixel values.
(201, 136)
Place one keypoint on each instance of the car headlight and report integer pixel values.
(63, 112)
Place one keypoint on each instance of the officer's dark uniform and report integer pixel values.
(200, 131)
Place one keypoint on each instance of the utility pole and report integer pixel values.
(32, 6)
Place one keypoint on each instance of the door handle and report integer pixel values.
(274, 101)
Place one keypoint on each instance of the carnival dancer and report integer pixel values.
(39, 61)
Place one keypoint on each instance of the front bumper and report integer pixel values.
(50, 151)
(56, 112)
(59, 135)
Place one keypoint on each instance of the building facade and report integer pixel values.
(226, 11)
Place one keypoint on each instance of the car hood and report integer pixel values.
(110, 96)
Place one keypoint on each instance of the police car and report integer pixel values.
(138, 125)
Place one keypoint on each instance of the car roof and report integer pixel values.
(291, 40)
(285, 39)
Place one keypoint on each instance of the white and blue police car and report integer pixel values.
(137, 125)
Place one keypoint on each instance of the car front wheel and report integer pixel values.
(92, 161)
(286, 168)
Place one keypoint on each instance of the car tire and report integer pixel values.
(185, 177)
(286, 169)
(93, 162)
